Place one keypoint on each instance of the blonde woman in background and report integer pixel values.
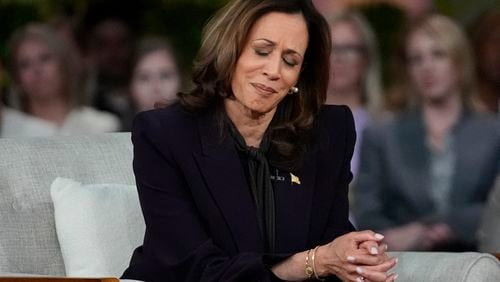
(425, 175)
(355, 72)
(46, 88)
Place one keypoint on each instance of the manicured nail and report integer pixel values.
(397, 260)
(395, 277)
(379, 236)
(359, 270)
(351, 258)
(373, 251)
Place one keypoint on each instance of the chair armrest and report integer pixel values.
(53, 279)
(441, 266)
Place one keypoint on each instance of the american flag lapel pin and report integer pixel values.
(294, 179)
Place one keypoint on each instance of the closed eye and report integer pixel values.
(289, 62)
(261, 53)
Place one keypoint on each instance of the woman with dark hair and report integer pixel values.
(246, 178)
(155, 74)
(485, 37)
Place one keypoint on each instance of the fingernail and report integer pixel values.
(351, 258)
(397, 260)
(359, 279)
(373, 251)
(395, 277)
(359, 270)
(379, 236)
(385, 247)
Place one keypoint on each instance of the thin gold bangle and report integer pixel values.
(309, 270)
(314, 266)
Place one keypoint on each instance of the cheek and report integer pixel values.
(414, 73)
(290, 78)
(53, 72)
(140, 89)
(169, 85)
(25, 77)
(449, 74)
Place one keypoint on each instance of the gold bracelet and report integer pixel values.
(314, 266)
(309, 270)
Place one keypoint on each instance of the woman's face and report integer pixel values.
(155, 78)
(347, 58)
(430, 68)
(38, 71)
(270, 62)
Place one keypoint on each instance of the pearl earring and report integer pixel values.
(293, 90)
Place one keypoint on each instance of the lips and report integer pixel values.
(263, 88)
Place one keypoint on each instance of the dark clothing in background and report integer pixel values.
(393, 186)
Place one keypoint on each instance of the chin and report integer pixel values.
(260, 110)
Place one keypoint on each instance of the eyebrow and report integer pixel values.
(272, 43)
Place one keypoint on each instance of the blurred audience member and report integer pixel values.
(109, 33)
(415, 9)
(489, 230)
(485, 34)
(155, 76)
(355, 66)
(45, 88)
(425, 174)
(65, 26)
(328, 7)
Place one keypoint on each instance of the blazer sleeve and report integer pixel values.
(368, 204)
(338, 218)
(176, 246)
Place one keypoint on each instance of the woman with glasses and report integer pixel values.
(355, 72)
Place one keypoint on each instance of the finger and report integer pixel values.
(431, 235)
(383, 267)
(366, 259)
(372, 247)
(354, 277)
(392, 277)
(382, 248)
(366, 235)
(376, 276)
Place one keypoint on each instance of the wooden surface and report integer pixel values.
(55, 279)
(497, 255)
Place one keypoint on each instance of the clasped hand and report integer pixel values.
(356, 256)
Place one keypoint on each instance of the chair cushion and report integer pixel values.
(98, 226)
(28, 166)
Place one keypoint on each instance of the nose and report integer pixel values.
(273, 67)
(427, 63)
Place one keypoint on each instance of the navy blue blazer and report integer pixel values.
(201, 223)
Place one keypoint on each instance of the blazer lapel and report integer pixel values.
(294, 196)
(221, 167)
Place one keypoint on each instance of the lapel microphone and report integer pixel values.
(277, 176)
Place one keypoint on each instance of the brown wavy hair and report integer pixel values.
(223, 40)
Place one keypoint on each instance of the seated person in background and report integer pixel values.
(485, 36)
(155, 74)
(489, 230)
(108, 32)
(246, 178)
(425, 174)
(355, 75)
(46, 88)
